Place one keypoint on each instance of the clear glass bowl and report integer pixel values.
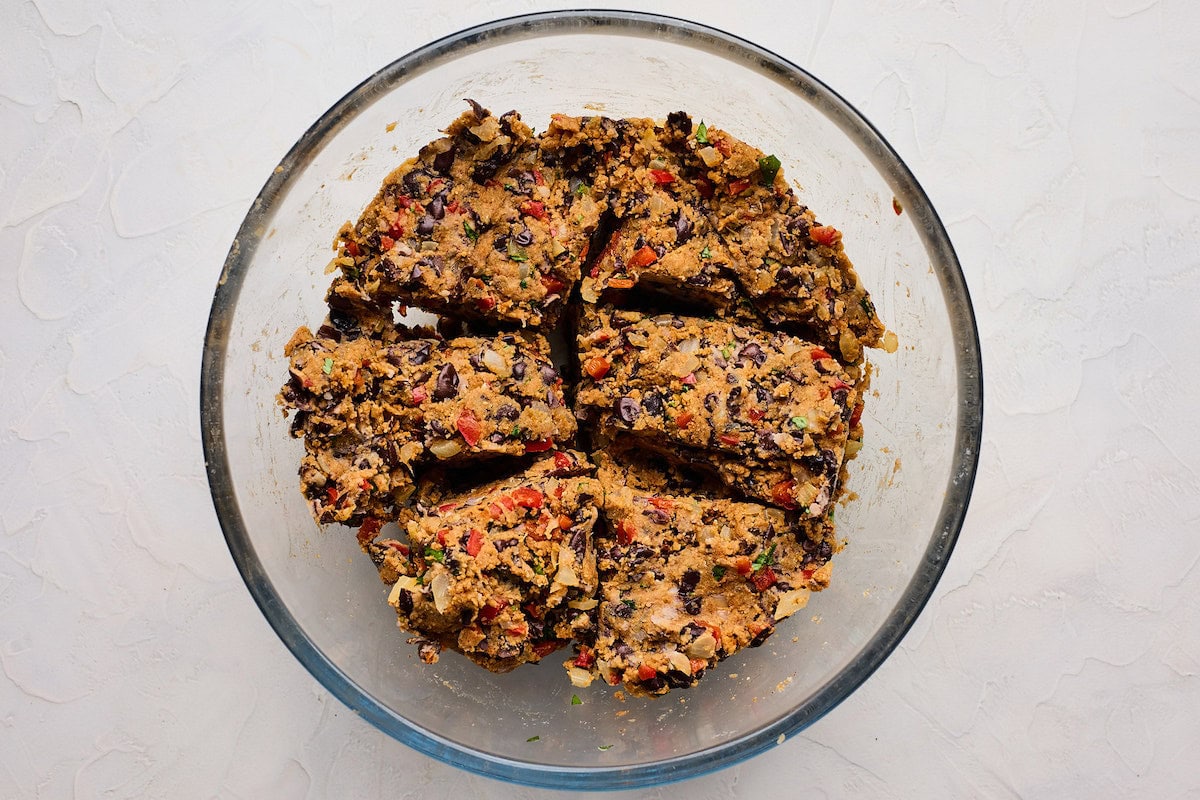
(913, 478)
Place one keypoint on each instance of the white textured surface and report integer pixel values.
(1060, 655)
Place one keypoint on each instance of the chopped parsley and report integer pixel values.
(516, 431)
(470, 231)
(866, 306)
(764, 559)
(575, 701)
(433, 554)
(768, 167)
(719, 571)
(524, 283)
(533, 738)
(582, 189)
(706, 253)
(702, 133)
(630, 603)
(327, 367)
(604, 747)
(727, 351)
(538, 568)
(800, 422)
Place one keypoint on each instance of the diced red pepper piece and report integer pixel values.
(597, 367)
(662, 503)
(441, 536)
(331, 493)
(539, 445)
(689, 379)
(538, 178)
(586, 657)
(729, 439)
(444, 507)
(365, 485)
(781, 493)
(817, 354)
(553, 285)
(486, 303)
(620, 283)
(744, 567)
(434, 185)
(563, 461)
(453, 208)
(646, 672)
(469, 427)
(755, 415)
(565, 522)
(352, 248)
(723, 146)
(369, 530)
(517, 630)
(684, 419)
(704, 187)
(474, 543)
(397, 230)
(508, 502)
(644, 257)
(739, 186)
(386, 242)
(489, 612)
(662, 177)
(626, 532)
(764, 579)
(545, 647)
(527, 498)
(495, 511)
(397, 546)
(419, 395)
(533, 208)
(856, 415)
(826, 235)
(807, 573)
(403, 201)
(698, 665)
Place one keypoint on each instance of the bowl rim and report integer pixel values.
(968, 434)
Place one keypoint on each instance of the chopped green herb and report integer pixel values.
(327, 367)
(706, 253)
(575, 701)
(604, 747)
(866, 306)
(719, 571)
(764, 559)
(538, 568)
(702, 133)
(533, 738)
(469, 230)
(516, 431)
(510, 187)
(582, 189)
(768, 167)
(524, 283)
(483, 276)
(630, 603)
(433, 554)
(800, 422)
(727, 351)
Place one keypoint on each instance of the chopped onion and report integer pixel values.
(445, 448)
(440, 586)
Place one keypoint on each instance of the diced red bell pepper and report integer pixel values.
(730, 439)
(597, 367)
(723, 146)
(684, 419)
(662, 503)
(545, 647)
(441, 536)
(626, 532)
(563, 461)
(739, 186)
(646, 672)
(807, 573)
(352, 248)
(469, 427)
(397, 230)
(495, 511)
(419, 395)
(444, 507)
(369, 530)
(781, 493)
(689, 379)
(586, 657)
(744, 567)
(698, 665)
(565, 522)
(620, 283)
(489, 612)
(538, 178)
(539, 445)
(704, 187)
(331, 493)
(662, 177)
(838, 384)
(533, 208)
(644, 257)
(764, 579)
(817, 354)
(517, 630)
(526, 497)
(386, 242)
(856, 415)
(826, 235)
(485, 303)
(553, 285)
(755, 415)
(403, 201)
(474, 543)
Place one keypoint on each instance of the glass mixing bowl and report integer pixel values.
(913, 478)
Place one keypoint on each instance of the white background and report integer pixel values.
(1060, 654)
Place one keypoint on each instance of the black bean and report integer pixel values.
(425, 226)
(831, 462)
(508, 411)
(329, 332)
(679, 680)
(763, 395)
(518, 370)
(500, 244)
(475, 360)
(438, 428)
(437, 207)
(485, 170)
(578, 543)
(505, 544)
(479, 111)
(711, 400)
(420, 353)
(443, 161)
(683, 228)
(652, 403)
(761, 637)
(343, 321)
(701, 280)
(680, 121)
(623, 649)
(447, 383)
(412, 183)
(549, 374)
(404, 601)
(496, 438)
(552, 398)
(654, 684)
(840, 396)
(657, 515)
(620, 610)
(536, 629)
(628, 409)
(659, 250)
(416, 274)
(689, 581)
(753, 352)
(524, 237)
